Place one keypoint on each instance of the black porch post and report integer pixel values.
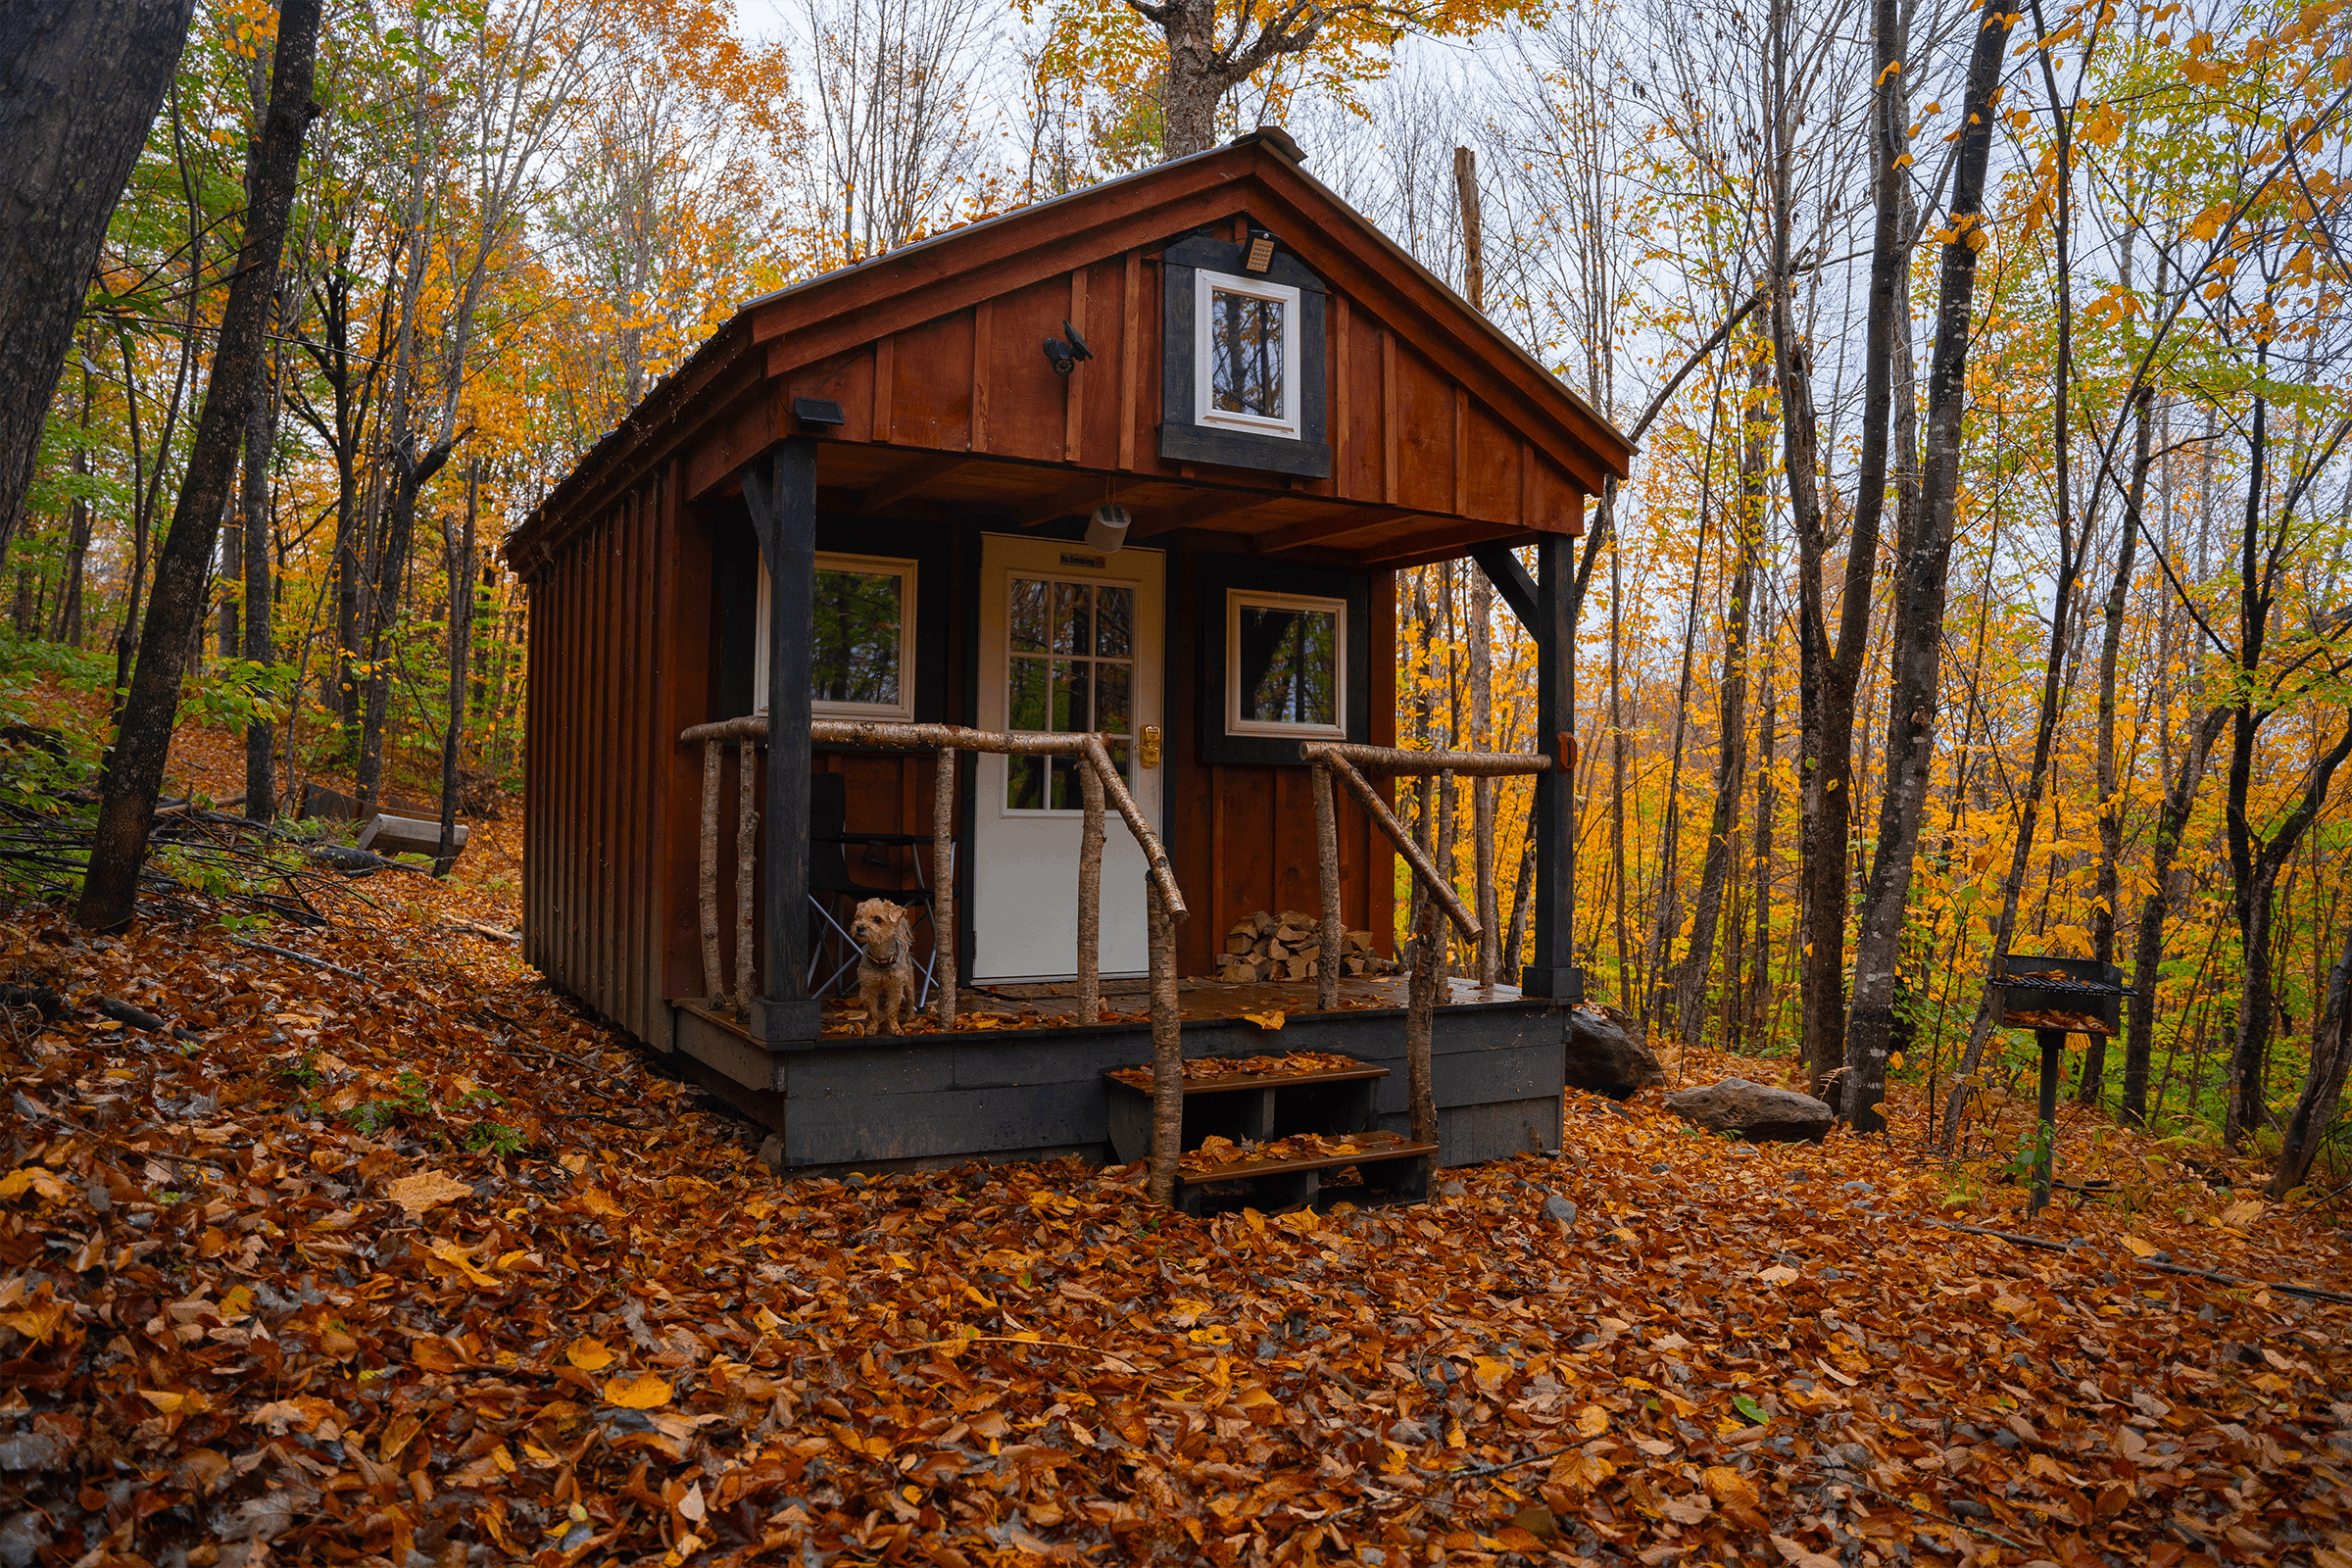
(1553, 973)
(780, 488)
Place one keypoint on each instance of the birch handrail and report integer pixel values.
(1340, 760)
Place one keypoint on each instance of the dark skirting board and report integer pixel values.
(931, 1099)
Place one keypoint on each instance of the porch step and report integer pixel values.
(1287, 1173)
(1253, 1100)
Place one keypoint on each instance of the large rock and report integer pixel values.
(1735, 1105)
(1605, 1057)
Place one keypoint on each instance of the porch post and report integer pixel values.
(780, 488)
(1553, 973)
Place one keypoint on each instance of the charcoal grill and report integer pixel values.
(2085, 987)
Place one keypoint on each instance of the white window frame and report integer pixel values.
(1235, 724)
(1205, 285)
(874, 566)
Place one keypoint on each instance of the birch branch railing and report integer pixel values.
(1099, 783)
(1348, 763)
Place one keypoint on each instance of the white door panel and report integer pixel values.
(1070, 641)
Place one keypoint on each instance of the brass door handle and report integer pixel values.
(1147, 751)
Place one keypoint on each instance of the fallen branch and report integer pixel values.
(298, 957)
(2308, 1292)
(141, 1018)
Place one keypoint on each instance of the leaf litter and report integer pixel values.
(429, 1269)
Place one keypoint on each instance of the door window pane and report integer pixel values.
(1025, 702)
(1032, 614)
(1024, 783)
(1111, 698)
(1073, 618)
(1114, 621)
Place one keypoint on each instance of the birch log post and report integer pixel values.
(715, 981)
(746, 844)
(1327, 855)
(1420, 1006)
(1090, 894)
(943, 884)
(1167, 1054)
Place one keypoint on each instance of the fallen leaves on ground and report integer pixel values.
(427, 1266)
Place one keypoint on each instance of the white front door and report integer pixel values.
(1069, 642)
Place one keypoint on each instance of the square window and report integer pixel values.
(1286, 664)
(862, 651)
(1245, 355)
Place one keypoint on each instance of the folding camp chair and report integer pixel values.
(834, 954)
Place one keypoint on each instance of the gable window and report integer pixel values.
(1244, 382)
(1286, 666)
(862, 646)
(1247, 354)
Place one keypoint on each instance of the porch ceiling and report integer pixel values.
(927, 486)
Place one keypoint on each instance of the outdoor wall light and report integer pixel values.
(1261, 253)
(1063, 355)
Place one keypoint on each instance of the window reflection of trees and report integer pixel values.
(1246, 348)
(856, 656)
(1289, 665)
(1073, 670)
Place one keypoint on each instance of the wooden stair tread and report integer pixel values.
(1229, 1082)
(1369, 1148)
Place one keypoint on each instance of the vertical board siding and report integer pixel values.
(599, 837)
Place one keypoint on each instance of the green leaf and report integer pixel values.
(1751, 1409)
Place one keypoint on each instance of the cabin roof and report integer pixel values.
(731, 398)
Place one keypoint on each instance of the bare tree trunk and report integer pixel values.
(1731, 753)
(79, 84)
(2147, 950)
(2308, 1123)
(461, 635)
(135, 769)
(1915, 686)
(260, 646)
(2111, 804)
(1625, 946)
(1759, 974)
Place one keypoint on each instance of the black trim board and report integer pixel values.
(1212, 577)
(1187, 441)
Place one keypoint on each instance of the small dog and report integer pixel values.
(885, 964)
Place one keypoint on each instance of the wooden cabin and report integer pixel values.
(892, 493)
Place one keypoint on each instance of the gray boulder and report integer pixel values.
(1607, 1055)
(1735, 1105)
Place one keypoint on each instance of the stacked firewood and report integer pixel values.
(1289, 947)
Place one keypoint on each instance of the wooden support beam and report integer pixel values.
(1200, 509)
(780, 489)
(1511, 579)
(916, 469)
(1553, 973)
(1070, 500)
(1290, 536)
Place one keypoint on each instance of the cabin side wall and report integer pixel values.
(598, 869)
